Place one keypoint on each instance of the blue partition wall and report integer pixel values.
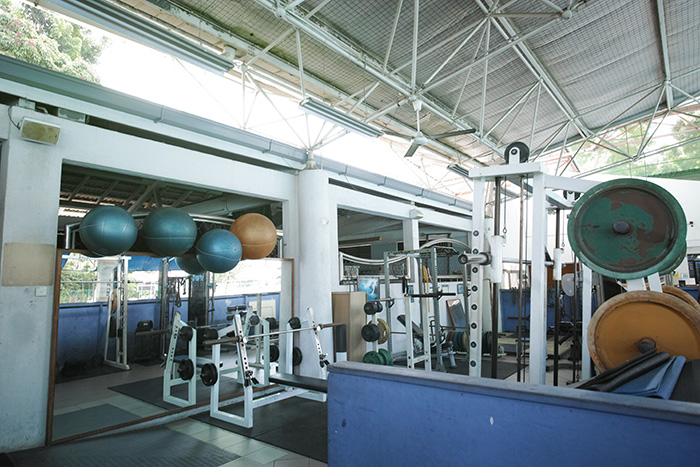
(389, 416)
(82, 326)
(510, 300)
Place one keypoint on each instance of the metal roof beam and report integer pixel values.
(664, 52)
(533, 64)
(360, 59)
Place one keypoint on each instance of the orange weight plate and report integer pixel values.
(682, 294)
(622, 322)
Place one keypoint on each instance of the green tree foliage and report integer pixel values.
(77, 281)
(663, 157)
(38, 37)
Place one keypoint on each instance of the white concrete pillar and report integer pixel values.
(314, 262)
(30, 176)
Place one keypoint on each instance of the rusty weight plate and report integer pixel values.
(627, 229)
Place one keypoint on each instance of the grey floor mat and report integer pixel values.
(153, 447)
(151, 391)
(296, 425)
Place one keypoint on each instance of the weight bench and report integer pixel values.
(301, 382)
(417, 331)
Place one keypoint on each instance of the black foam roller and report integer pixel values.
(340, 337)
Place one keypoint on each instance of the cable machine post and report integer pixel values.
(477, 244)
(521, 238)
(494, 285)
(557, 291)
(436, 303)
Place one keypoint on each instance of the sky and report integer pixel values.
(143, 72)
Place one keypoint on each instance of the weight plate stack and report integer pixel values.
(628, 229)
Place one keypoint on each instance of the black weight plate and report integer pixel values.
(370, 332)
(209, 374)
(186, 333)
(274, 353)
(297, 356)
(295, 323)
(373, 307)
(185, 369)
(273, 322)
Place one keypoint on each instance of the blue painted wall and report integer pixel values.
(388, 416)
(82, 326)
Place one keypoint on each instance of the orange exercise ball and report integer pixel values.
(257, 234)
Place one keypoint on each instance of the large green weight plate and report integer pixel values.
(682, 257)
(387, 357)
(375, 358)
(627, 229)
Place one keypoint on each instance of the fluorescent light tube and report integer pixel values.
(339, 118)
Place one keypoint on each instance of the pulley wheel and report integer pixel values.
(370, 332)
(517, 149)
(683, 295)
(621, 323)
(383, 331)
(209, 374)
(627, 229)
(185, 369)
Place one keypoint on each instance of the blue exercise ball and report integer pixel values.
(190, 265)
(219, 250)
(108, 230)
(169, 231)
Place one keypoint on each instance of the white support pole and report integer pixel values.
(538, 288)
(477, 279)
(587, 311)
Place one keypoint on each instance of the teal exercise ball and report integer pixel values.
(108, 230)
(190, 265)
(169, 232)
(219, 251)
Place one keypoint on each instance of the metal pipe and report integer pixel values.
(236, 339)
